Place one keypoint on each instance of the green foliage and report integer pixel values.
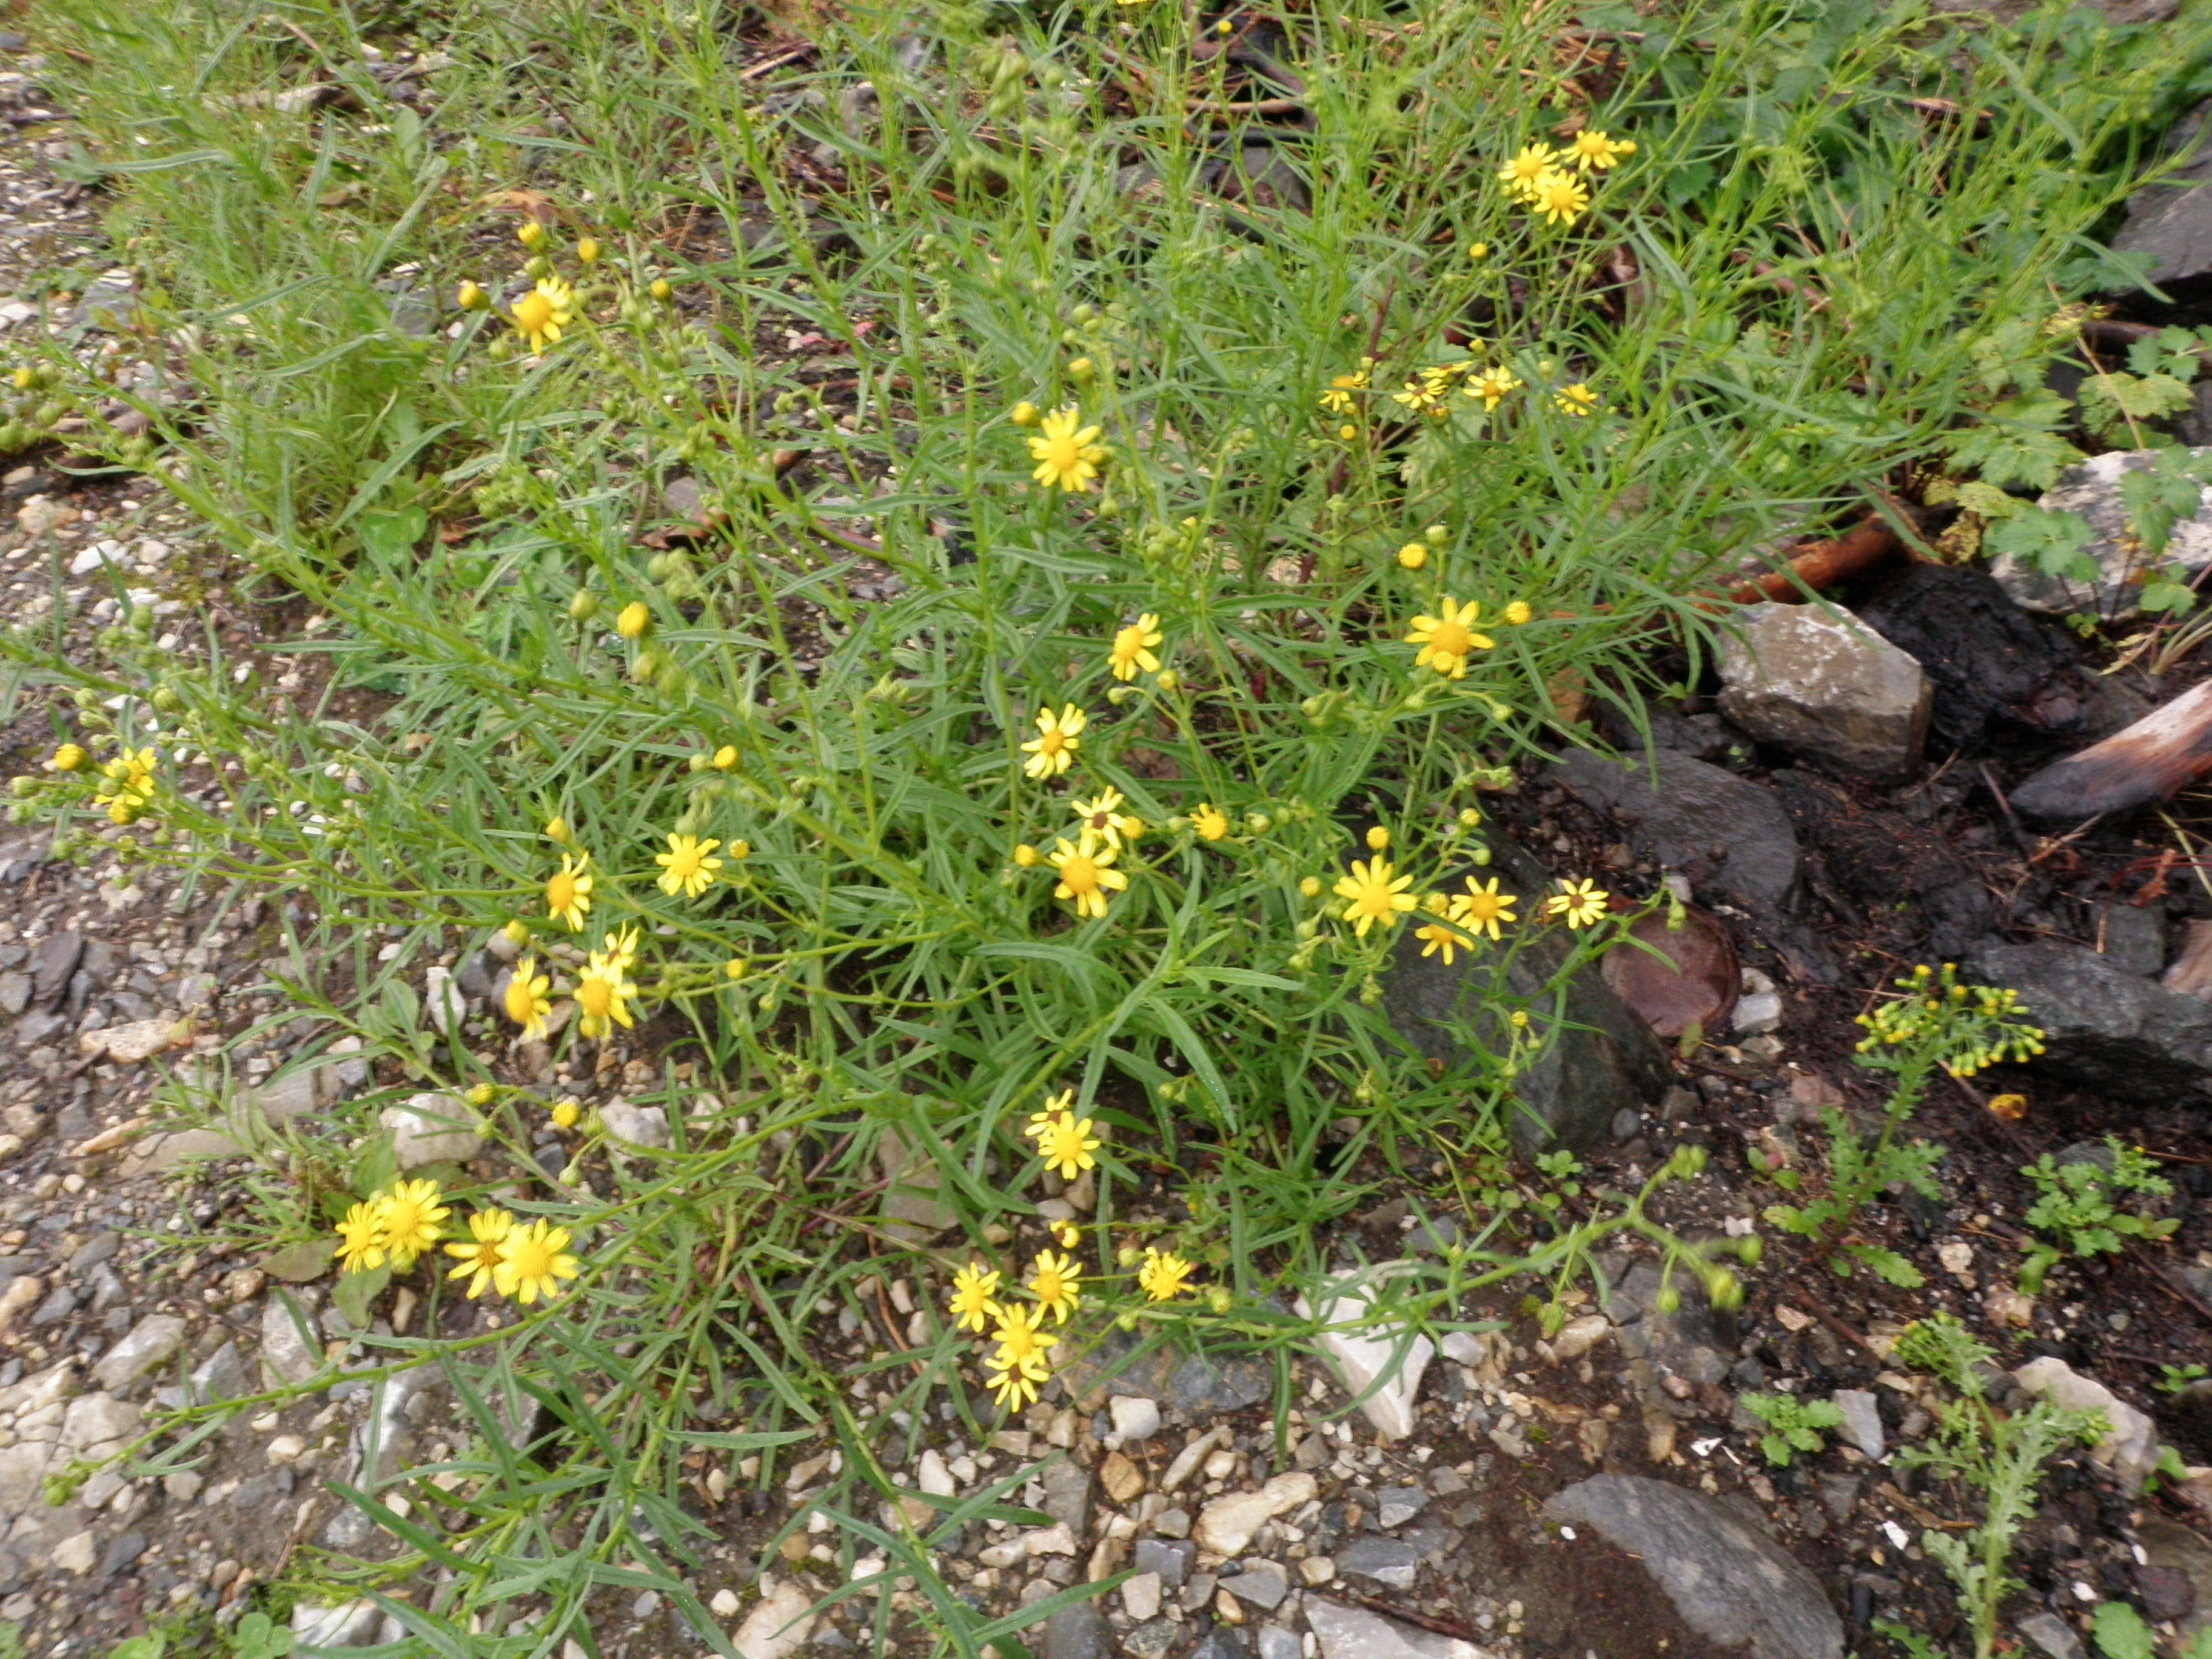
(2121, 1634)
(1915, 1645)
(2172, 1379)
(1793, 1424)
(2001, 1453)
(257, 1636)
(2078, 1208)
(2113, 404)
(2054, 542)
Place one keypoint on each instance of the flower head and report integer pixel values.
(1374, 895)
(1209, 821)
(1493, 385)
(1102, 816)
(621, 947)
(68, 757)
(1423, 398)
(1086, 874)
(633, 619)
(569, 891)
(1133, 648)
(1435, 938)
(1593, 150)
(360, 1239)
(1065, 1142)
(1020, 1359)
(1517, 612)
(533, 1261)
(483, 1251)
(1052, 752)
(1163, 1276)
(1378, 838)
(1338, 399)
(541, 314)
(1479, 909)
(526, 1000)
(1066, 458)
(1578, 903)
(602, 989)
(973, 1287)
(128, 785)
(1053, 1281)
(1519, 175)
(686, 866)
(411, 1213)
(565, 1112)
(469, 297)
(1446, 638)
(1558, 198)
(1576, 400)
(1413, 555)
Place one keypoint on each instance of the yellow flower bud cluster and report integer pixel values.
(1968, 1027)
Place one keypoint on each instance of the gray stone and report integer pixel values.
(1728, 1579)
(1355, 1633)
(1220, 1643)
(22, 1476)
(53, 963)
(1152, 1638)
(289, 1348)
(2108, 1030)
(1730, 838)
(434, 1128)
(1076, 1632)
(1390, 1561)
(2132, 938)
(1170, 1559)
(1396, 1506)
(152, 1340)
(14, 993)
(914, 1214)
(1276, 1643)
(106, 304)
(1263, 1584)
(60, 1303)
(1823, 685)
(2171, 221)
(1861, 1421)
(639, 1126)
(98, 1419)
(2092, 489)
(2184, 1557)
(1604, 1060)
(2051, 1635)
(1068, 1494)
(122, 1550)
(100, 1246)
(1200, 1386)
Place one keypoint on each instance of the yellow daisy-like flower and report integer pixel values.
(603, 991)
(1102, 816)
(1378, 838)
(1558, 198)
(1163, 1277)
(483, 1251)
(1517, 612)
(1052, 752)
(1053, 1283)
(569, 891)
(1578, 903)
(526, 1000)
(541, 314)
(360, 1239)
(1086, 874)
(1338, 399)
(1209, 821)
(1576, 400)
(1446, 638)
(1374, 896)
(565, 1112)
(686, 866)
(1435, 938)
(1067, 1233)
(1594, 150)
(533, 1261)
(1493, 385)
(1041, 1121)
(68, 757)
(1519, 175)
(633, 619)
(621, 948)
(1422, 397)
(973, 1288)
(1133, 648)
(1066, 458)
(411, 1213)
(1019, 1361)
(1065, 1143)
(1479, 909)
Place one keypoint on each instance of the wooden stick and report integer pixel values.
(1823, 564)
(2161, 753)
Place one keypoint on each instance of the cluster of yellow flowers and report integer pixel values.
(1375, 892)
(1429, 392)
(543, 312)
(407, 1221)
(126, 782)
(1552, 183)
(1017, 1367)
(1971, 1026)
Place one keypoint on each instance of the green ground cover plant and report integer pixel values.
(1032, 782)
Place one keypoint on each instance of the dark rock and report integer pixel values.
(1726, 1578)
(1909, 880)
(1264, 1584)
(2167, 1594)
(2185, 1554)
(1220, 1643)
(101, 1247)
(1152, 1638)
(52, 964)
(476, 974)
(1730, 837)
(1068, 1494)
(1390, 1561)
(2171, 221)
(2132, 938)
(122, 1550)
(1824, 686)
(1396, 1506)
(2187, 1416)
(1076, 1632)
(1201, 1386)
(60, 1303)
(2103, 1028)
(1169, 1558)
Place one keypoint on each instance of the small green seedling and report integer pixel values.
(2078, 1210)
(1793, 1424)
(2172, 1379)
(2122, 1634)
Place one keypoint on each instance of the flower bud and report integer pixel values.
(583, 605)
(1026, 855)
(1478, 251)
(1310, 887)
(1025, 414)
(68, 757)
(734, 968)
(469, 297)
(1412, 555)
(557, 831)
(726, 758)
(1378, 840)
(565, 1112)
(660, 290)
(1081, 369)
(632, 620)
(481, 1095)
(532, 235)
(587, 252)
(1668, 1300)
(1168, 679)
(1218, 1299)
(517, 933)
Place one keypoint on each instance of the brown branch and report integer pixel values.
(1823, 564)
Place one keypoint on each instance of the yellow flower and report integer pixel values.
(1594, 149)
(1026, 856)
(1479, 909)
(526, 1000)
(360, 1239)
(1338, 399)
(557, 829)
(602, 991)
(1053, 750)
(660, 290)
(541, 314)
(516, 933)
(1064, 456)
(1478, 251)
(1517, 612)
(1086, 874)
(469, 297)
(481, 1254)
(68, 757)
(1310, 887)
(1422, 397)
(1446, 638)
(533, 1262)
(1435, 938)
(1064, 1142)
(1133, 648)
(129, 785)
(1102, 816)
(1053, 1283)
(565, 1112)
(1207, 819)
(1493, 385)
(1020, 1359)
(1024, 414)
(1413, 555)
(1163, 1277)
(411, 1213)
(532, 235)
(1374, 896)
(1578, 903)
(1558, 198)
(587, 252)
(1519, 175)
(734, 968)
(633, 619)
(725, 758)
(621, 947)
(1167, 680)
(686, 867)
(1040, 1122)
(1576, 400)
(973, 1287)
(568, 892)
(1067, 1233)
(1378, 839)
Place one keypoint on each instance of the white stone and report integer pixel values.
(1140, 1596)
(23, 1477)
(442, 1000)
(141, 1039)
(725, 1604)
(1135, 1418)
(153, 1339)
(94, 1419)
(291, 1356)
(2092, 489)
(183, 1485)
(1392, 1359)
(1757, 1014)
(1225, 1526)
(931, 1475)
(2130, 1447)
(777, 1627)
(346, 1626)
(433, 1127)
(1058, 1539)
(1578, 1336)
(1823, 684)
(641, 1126)
(1861, 1421)
(75, 1553)
(1464, 1348)
(284, 1449)
(1355, 1633)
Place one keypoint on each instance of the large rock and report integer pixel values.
(1355, 1633)
(1604, 1059)
(1731, 838)
(434, 1128)
(1388, 1359)
(1728, 1579)
(1825, 686)
(2103, 1027)
(2171, 221)
(151, 1342)
(2092, 489)
(2130, 1444)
